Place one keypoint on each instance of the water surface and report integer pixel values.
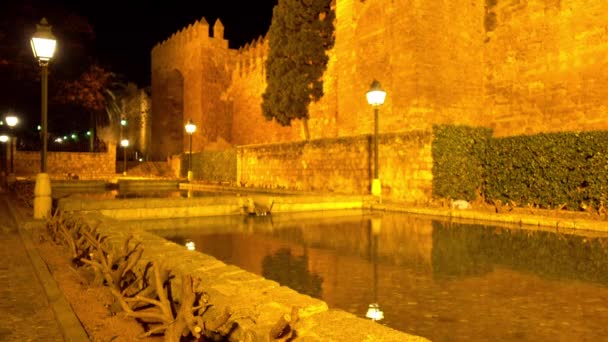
(441, 280)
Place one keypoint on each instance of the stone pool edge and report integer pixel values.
(249, 296)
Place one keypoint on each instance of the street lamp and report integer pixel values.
(190, 129)
(43, 45)
(11, 121)
(3, 139)
(124, 143)
(375, 97)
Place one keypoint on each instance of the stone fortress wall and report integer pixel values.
(518, 67)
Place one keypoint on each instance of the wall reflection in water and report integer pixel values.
(440, 280)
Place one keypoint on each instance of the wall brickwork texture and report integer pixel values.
(342, 165)
(98, 165)
(545, 66)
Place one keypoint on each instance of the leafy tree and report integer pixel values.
(300, 34)
(94, 91)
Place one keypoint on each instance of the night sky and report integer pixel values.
(119, 35)
(125, 36)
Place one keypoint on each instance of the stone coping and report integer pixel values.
(158, 208)
(513, 220)
(256, 302)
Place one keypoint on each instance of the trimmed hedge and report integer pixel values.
(548, 170)
(458, 153)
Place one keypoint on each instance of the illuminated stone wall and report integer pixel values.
(342, 165)
(98, 165)
(545, 66)
(518, 67)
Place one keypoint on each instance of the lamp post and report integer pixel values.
(11, 122)
(43, 45)
(3, 139)
(375, 97)
(124, 143)
(190, 129)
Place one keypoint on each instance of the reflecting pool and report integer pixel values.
(442, 280)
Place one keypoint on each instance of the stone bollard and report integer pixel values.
(42, 196)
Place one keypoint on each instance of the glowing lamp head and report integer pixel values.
(375, 94)
(124, 143)
(123, 121)
(4, 138)
(43, 42)
(190, 127)
(190, 245)
(374, 313)
(11, 120)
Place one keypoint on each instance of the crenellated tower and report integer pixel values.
(190, 70)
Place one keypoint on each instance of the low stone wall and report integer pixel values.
(342, 165)
(211, 166)
(257, 303)
(85, 165)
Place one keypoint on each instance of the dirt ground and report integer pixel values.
(90, 303)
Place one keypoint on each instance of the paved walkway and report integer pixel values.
(27, 315)
(31, 306)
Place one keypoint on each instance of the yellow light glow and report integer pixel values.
(12, 120)
(374, 313)
(190, 127)
(190, 245)
(43, 42)
(376, 95)
(43, 48)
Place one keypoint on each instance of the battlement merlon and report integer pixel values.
(197, 31)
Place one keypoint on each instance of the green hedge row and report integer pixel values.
(553, 170)
(458, 153)
(548, 170)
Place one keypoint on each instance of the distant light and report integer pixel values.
(74, 136)
(123, 122)
(88, 133)
(374, 313)
(12, 120)
(65, 137)
(124, 142)
(39, 127)
(1, 123)
(190, 245)
(59, 140)
(141, 160)
(3, 138)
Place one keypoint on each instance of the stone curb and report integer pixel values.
(68, 322)
(494, 218)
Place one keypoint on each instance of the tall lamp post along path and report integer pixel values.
(43, 45)
(190, 129)
(11, 121)
(375, 97)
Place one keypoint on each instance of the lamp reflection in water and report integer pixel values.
(373, 311)
(190, 245)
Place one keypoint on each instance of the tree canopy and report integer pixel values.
(300, 34)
